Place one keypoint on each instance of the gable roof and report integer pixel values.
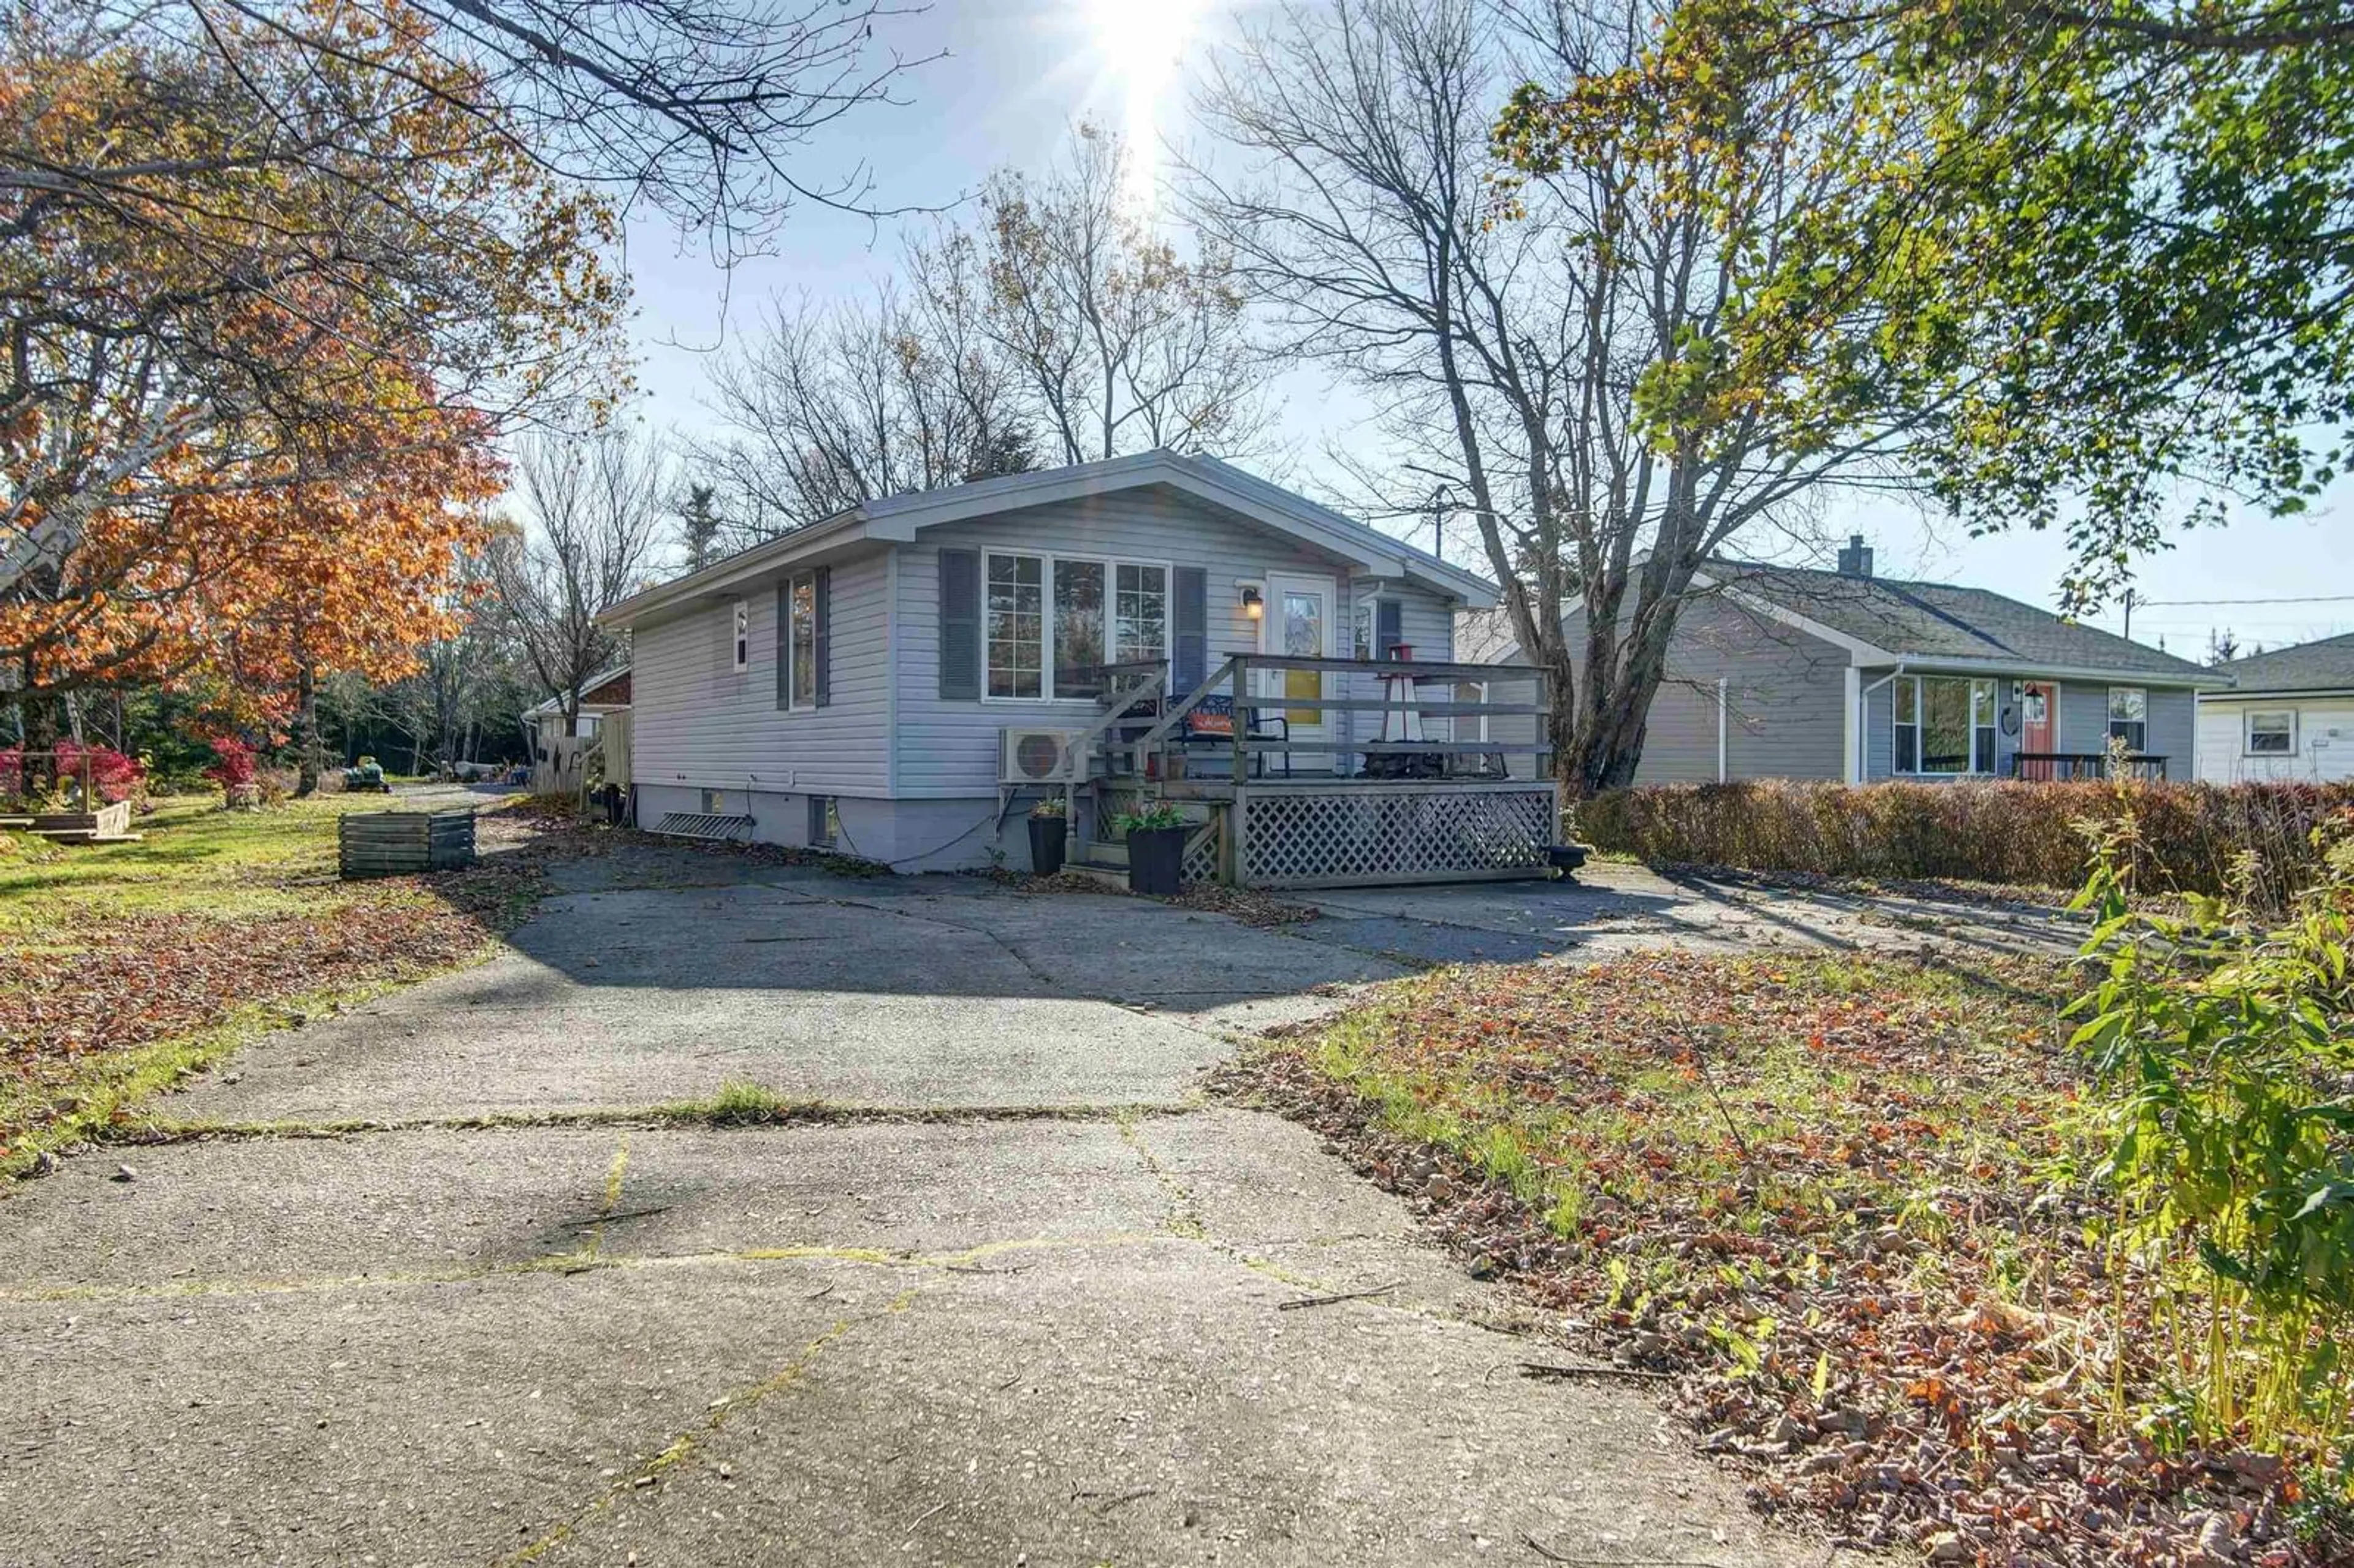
(2326, 665)
(900, 518)
(1889, 620)
(592, 695)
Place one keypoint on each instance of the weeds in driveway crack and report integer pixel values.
(684, 1447)
(1184, 1214)
(737, 1104)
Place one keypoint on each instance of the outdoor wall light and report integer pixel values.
(1254, 607)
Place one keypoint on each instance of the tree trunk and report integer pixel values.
(40, 712)
(306, 732)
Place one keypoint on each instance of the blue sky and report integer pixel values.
(1018, 72)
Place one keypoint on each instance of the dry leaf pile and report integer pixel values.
(100, 983)
(1830, 1198)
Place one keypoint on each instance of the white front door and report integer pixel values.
(1298, 621)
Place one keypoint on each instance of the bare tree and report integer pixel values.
(594, 526)
(1543, 356)
(825, 408)
(1121, 344)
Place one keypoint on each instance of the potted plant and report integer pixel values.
(1050, 836)
(1156, 848)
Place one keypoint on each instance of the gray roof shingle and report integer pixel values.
(2324, 666)
(1944, 621)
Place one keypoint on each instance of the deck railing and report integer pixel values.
(2057, 767)
(1232, 679)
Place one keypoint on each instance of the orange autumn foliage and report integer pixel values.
(236, 589)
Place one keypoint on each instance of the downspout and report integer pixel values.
(1719, 729)
(1863, 725)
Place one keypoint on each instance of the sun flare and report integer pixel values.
(1141, 45)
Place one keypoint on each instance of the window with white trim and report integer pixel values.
(743, 634)
(1945, 724)
(1051, 623)
(2272, 732)
(801, 641)
(1013, 625)
(2129, 716)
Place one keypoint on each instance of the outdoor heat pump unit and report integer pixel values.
(1035, 755)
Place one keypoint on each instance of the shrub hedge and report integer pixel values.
(2186, 838)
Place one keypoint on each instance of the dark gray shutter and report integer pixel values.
(1191, 630)
(822, 593)
(1389, 626)
(960, 625)
(785, 643)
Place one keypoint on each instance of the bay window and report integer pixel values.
(1050, 623)
(1945, 724)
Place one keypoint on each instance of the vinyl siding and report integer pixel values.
(949, 750)
(2325, 740)
(699, 722)
(1784, 701)
(2084, 724)
(2171, 725)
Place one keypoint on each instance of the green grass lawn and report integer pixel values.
(124, 966)
(196, 856)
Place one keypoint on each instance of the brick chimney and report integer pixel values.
(1855, 561)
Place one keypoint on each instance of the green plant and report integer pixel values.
(1150, 818)
(1052, 808)
(2224, 1041)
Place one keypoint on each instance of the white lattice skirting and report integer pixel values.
(1403, 832)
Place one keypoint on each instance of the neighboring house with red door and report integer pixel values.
(2287, 715)
(1792, 672)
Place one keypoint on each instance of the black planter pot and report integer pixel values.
(1049, 837)
(1154, 856)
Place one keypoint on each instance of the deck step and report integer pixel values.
(1098, 853)
(1110, 875)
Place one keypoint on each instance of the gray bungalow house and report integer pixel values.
(1784, 672)
(902, 682)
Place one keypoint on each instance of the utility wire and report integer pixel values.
(2140, 603)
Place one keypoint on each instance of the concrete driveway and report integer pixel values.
(1020, 1297)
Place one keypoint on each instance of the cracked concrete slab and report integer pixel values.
(631, 997)
(1100, 1292)
(1009, 1339)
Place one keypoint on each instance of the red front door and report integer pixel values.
(2039, 720)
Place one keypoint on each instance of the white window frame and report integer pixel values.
(2110, 732)
(741, 622)
(1110, 565)
(1979, 766)
(2248, 731)
(794, 700)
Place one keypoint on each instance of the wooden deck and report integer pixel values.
(1357, 814)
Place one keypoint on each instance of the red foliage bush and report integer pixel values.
(113, 776)
(236, 763)
(2189, 836)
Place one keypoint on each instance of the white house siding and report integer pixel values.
(2325, 740)
(949, 750)
(699, 722)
